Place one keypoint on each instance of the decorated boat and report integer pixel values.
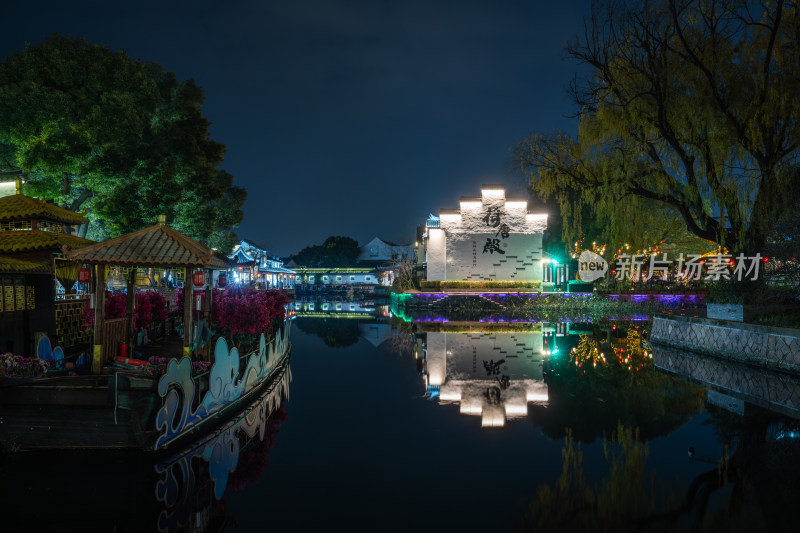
(184, 490)
(127, 410)
(124, 403)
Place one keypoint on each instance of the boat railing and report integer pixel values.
(202, 380)
(114, 331)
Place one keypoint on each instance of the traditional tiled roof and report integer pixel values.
(30, 240)
(241, 257)
(19, 206)
(21, 266)
(157, 245)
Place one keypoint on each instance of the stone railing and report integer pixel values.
(769, 347)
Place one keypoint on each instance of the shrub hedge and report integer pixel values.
(437, 285)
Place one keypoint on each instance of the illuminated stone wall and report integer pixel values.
(490, 237)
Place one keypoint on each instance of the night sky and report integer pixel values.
(347, 118)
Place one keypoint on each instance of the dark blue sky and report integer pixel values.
(347, 118)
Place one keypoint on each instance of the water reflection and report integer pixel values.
(733, 386)
(200, 474)
(341, 323)
(339, 308)
(493, 375)
(558, 375)
(128, 492)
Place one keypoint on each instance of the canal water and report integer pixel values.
(388, 424)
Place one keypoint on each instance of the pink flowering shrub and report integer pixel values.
(116, 304)
(151, 306)
(157, 367)
(17, 366)
(242, 313)
(177, 303)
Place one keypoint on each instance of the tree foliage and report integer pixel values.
(91, 128)
(689, 109)
(336, 251)
(335, 333)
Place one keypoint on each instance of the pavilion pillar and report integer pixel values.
(99, 318)
(130, 335)
(188, 300)
(209, 277)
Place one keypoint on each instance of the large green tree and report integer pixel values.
(336, 251)
(93, 128)
(689, 109)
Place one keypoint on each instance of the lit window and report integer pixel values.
(324, 278)
(338, 278)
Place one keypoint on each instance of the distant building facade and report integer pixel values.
(379, 251)
(489, 237)
(355, 276)
(255, 265)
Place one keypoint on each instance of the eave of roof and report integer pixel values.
(19, 206)
(158, 246)
(31, 240)
(21, 266)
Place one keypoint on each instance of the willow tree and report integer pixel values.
(688, 109)
(90, 127)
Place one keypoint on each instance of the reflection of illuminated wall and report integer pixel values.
(467, 368)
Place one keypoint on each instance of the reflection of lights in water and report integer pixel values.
(516, 410)
(493, 416)
(468, 409)
(537, 397)
(451, 396)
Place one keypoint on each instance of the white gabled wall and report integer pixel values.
(436, 255)
(473, 248)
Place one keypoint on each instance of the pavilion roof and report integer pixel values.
(19, 206)
(31, 240)
(158, 246)
(22, 266)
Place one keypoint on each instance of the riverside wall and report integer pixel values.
(764, 346)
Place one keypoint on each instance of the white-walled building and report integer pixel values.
(380, 251)
(489, 237)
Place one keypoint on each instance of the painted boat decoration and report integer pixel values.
(177, 387)
(220, 450)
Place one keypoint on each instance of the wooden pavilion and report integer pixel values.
(158, 246)
(32, 234)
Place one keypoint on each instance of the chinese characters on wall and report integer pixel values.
(492, 368)
(493, 219)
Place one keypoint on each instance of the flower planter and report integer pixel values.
(733, 312)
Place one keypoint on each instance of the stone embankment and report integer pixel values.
(764, 346)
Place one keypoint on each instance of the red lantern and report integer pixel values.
(84, 275)
(222, 280)
(198, 279)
